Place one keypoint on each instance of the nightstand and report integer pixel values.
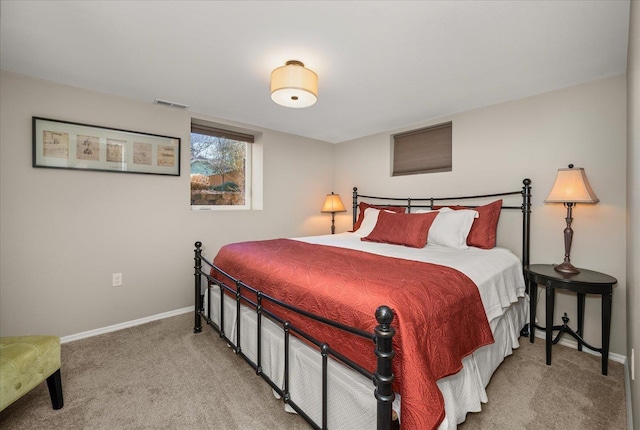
(585, 282)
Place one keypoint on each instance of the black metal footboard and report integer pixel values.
(382, 338)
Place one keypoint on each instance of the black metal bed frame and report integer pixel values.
(383, 334)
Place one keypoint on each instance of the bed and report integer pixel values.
(380, 325)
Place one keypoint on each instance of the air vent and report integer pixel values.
(170, 104)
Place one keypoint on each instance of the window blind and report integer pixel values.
(218, 132)
(426, 150)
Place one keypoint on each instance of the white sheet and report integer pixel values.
(498, 274)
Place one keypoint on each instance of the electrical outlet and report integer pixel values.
(117, 279)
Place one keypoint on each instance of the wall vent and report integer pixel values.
(170, 104)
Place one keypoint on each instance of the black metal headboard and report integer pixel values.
(429, 202)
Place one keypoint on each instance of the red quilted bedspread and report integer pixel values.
(439, 318)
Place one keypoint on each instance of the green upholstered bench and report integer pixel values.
(25, 362)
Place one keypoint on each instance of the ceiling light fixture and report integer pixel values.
(293, 85)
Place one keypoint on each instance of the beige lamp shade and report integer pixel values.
(333, 204)
(571, 186)
(293, 85)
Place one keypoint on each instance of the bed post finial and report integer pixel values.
(383, 378)
(197, 324)
(384, 315)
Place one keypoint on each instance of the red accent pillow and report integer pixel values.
(484, 228)
(363, 206)
(402, 229)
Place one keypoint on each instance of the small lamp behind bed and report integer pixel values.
(571, 187)
(333, 204)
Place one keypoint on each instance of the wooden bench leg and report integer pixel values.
(54, 382)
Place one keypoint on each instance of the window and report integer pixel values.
(427, 150)
(220, 168)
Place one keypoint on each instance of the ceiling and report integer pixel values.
(382, 65)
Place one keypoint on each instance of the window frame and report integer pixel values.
(214, 130)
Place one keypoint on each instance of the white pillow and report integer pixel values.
(368, 222)
(426, 211)
(451, 228)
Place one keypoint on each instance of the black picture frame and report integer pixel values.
(70, 145)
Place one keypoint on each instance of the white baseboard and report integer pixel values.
(574, 344)
(116, 327)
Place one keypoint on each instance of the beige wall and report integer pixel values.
(633, 200)
(494, 148)
(64, 232)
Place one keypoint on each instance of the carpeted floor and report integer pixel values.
(572, 393)
(160, 376)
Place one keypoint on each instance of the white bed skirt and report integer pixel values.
(350, 395)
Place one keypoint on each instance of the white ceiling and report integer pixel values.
(382, 65)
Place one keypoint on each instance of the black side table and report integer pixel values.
(585, 282)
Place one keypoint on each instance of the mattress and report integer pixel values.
(496, 272)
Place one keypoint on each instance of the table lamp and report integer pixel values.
(333, 204)
(571, 187)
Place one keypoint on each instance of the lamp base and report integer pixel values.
(566, 267)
